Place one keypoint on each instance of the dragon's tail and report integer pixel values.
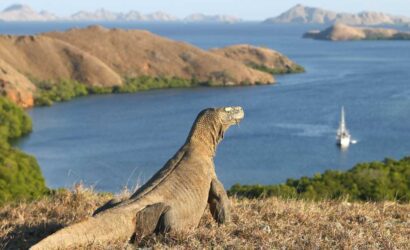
(109, 226)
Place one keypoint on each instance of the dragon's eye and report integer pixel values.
(228, 109)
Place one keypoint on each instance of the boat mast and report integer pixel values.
(342, 126)
(342, 131)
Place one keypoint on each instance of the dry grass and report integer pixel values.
(261, 224)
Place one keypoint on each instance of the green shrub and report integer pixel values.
(401, 36)
(97, 90)
(277, 71)
(147, 82)
(375, 181)
(62, 91)
(14, 122)
(65, 90)
(20, 175)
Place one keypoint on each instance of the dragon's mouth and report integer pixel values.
(236, 114)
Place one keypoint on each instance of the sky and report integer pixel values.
(247, 9)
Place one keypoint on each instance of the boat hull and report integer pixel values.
(344, 142)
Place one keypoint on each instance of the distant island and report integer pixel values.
(303, 14)
(58, 66)
(18, 12)
(24, 13)
(342, 32)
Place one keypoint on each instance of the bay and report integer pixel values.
(114, 141)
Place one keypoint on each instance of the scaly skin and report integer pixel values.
(174, 199)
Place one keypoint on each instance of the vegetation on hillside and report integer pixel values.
(14, 122)
(20, 175)
(65, 90)
(382, 36)
(401, 36)
(374, 181)
(271, 223)
(146, 83)
(277, 71)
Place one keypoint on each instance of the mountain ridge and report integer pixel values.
(20, 12)
(305, 14)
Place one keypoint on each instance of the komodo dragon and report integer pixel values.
(174, 199)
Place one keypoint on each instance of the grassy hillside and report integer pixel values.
(134, 53)
(266, 223)
(45, 58)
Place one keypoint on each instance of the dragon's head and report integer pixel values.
(212, 123)
(229, 115)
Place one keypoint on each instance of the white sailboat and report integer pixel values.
(343, 136)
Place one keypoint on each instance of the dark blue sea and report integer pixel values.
(114, 141)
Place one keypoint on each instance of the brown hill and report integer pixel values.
(342, 32)
(259, 58)
(134, 53)
(47, 59)
(15, 85)
(104, 57)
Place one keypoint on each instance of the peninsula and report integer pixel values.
(342, 32)
(109, 59)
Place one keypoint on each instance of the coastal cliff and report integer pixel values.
(105, 58)
(16, 86)
(342, 32)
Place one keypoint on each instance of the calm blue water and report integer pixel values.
(289, 129)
